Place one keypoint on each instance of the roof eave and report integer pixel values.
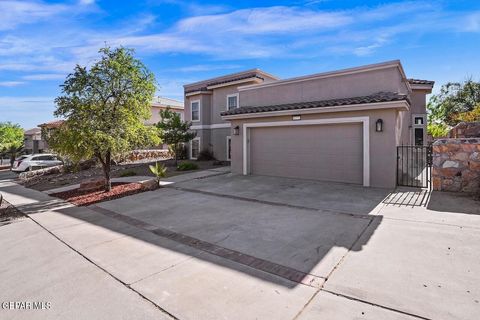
(402, 105)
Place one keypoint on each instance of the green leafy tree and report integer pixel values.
(470, 116)
(11, 140)
(174, 131)
(438, 130)
(454, 99)
(105, 108)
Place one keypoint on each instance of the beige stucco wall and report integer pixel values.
(351, 85)
(418, 101)
(382, 144)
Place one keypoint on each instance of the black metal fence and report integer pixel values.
(414, 166)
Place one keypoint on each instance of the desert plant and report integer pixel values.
(205, 155)
(159, 170)
(185, 166)
(128, 173)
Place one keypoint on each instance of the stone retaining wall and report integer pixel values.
(146, 155)
(456, 165)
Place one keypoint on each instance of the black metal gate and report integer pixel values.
(414, 166)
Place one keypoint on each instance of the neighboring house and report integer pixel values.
(162, 103)
(33, 142)
(339, 126)
(46, 128)
(159, 103)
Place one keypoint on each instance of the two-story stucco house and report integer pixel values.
(204, 103)
(341, 126)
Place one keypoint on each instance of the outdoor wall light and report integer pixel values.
(379, 125)
(236, 131)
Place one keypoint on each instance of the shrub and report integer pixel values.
(205, 155)
(182, 151)
(185, 166)
(159, 171)
(128, 173)
(438, 130)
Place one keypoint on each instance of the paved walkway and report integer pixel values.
(202, 249)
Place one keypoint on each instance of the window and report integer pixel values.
(419, 136)
(195, 148)
(418, 120)
(229, 148)
(232, 101)
(195, 106)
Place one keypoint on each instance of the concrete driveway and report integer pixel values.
(214, 245)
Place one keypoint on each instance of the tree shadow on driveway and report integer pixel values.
(280, 243)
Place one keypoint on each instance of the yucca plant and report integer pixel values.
(159, 171)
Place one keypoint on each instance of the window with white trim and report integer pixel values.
(229, 148)
(194, 148)
(418, 120)
(195, 108)
(232, 101)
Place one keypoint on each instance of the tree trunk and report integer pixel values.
(176, 155)
(12, 158)
(106, 170)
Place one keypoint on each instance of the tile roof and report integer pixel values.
(52, 124)
(374, 98)
(419, 81)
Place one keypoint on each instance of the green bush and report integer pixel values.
(128, 173)
(182, 151)
(438, 130)
(185, 166)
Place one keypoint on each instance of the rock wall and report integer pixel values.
(146, 155)
(456, 165)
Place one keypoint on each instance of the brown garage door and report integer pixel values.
(321, 152)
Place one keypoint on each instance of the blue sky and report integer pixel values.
(182, 42)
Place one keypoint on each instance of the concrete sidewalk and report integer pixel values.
(35, 266)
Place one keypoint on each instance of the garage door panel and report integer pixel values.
(321, 152)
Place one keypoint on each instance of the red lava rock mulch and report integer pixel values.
(86, 198)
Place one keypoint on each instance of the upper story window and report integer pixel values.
(232, 101)
(195, 107)
(418, 120)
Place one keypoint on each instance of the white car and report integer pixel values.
(35, 161)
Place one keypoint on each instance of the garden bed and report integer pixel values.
(52, 181)
(86, 198)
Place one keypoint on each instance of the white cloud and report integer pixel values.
(473, 22)
(45, 76)
(28, 111)
(264, 32)
(11, 83)
(86, 2)
(207, 67)
(265, 20)
(13, 13)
